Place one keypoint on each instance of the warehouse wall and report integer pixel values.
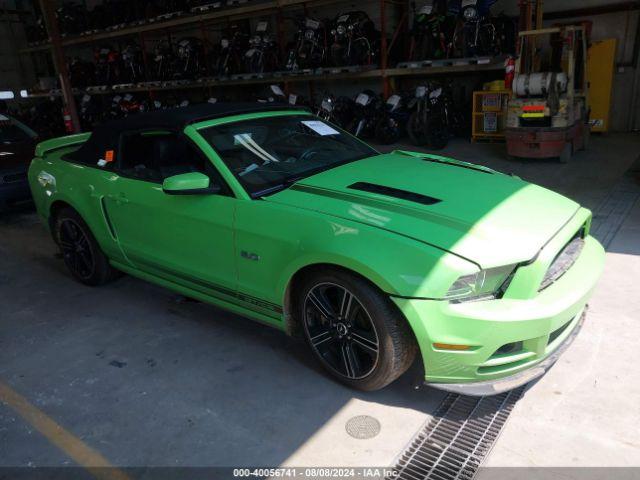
(619, 25)
(15, 72)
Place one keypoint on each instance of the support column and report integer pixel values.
(48, 12)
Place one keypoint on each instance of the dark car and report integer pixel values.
(17, 145)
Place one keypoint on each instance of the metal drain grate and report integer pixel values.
(453, 444)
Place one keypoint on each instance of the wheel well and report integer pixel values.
(53, 212)
(293, 326)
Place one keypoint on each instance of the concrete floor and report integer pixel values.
(147, 379)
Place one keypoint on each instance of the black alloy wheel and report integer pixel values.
(80, 251)
(341, 331)
(76, 249)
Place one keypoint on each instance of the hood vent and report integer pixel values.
(394, 192)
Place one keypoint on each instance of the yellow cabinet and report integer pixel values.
(600, 66)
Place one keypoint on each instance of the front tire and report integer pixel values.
(354, 330)
(80, 250)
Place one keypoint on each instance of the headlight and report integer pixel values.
(470, 13)
(487, 284)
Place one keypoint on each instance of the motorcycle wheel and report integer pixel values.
(337, 55)
(417, 130)
(437, 133)
(387, 131)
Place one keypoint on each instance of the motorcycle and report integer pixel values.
(262, 54)
(163, 61)
(190, 62)
(434, 118)
(273, 94)
(432, 27)
(476, 33)
(132, 64)
(108, 66)
(393, 120)
(354, 40)
(309, 47)
(338, 111)
(228, 58)
(365, 110)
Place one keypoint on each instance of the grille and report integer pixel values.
(563, 262)
(14, 177)
(456, 440)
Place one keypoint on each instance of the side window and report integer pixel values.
(155, 155)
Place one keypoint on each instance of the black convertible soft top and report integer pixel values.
(105, 137)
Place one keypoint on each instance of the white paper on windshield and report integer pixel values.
(250, 52)
(362, 99)
(311, 23)
(117, 99)
(293, 99)
(466, 3)
(277, 90)
(224, 42)
(320, 128)
(212, 100)
(86, 98)
(261, 27)
(426, 9)
(128, 97)
(420, 92)
(343, 18)
(326, 105)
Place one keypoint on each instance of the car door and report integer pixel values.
(186, 239)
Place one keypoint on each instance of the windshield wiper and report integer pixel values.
(290, 181)
(277, 188)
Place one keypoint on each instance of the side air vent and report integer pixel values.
(394, 192)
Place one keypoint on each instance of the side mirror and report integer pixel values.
(194, 183)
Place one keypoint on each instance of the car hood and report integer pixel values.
(484, 216)
(16, 156)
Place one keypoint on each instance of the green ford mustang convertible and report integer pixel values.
(374, 258)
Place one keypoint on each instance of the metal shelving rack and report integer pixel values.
(57, 44)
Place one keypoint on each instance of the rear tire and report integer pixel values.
(416, 130)
(354, 330)
(80, 250)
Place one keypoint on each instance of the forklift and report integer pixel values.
(548, 113)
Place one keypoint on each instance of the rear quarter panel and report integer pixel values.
(55, 182)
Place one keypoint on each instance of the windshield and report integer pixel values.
(12, 131)
(268, 154)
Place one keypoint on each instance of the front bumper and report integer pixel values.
(511, 340)
(493, 387)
